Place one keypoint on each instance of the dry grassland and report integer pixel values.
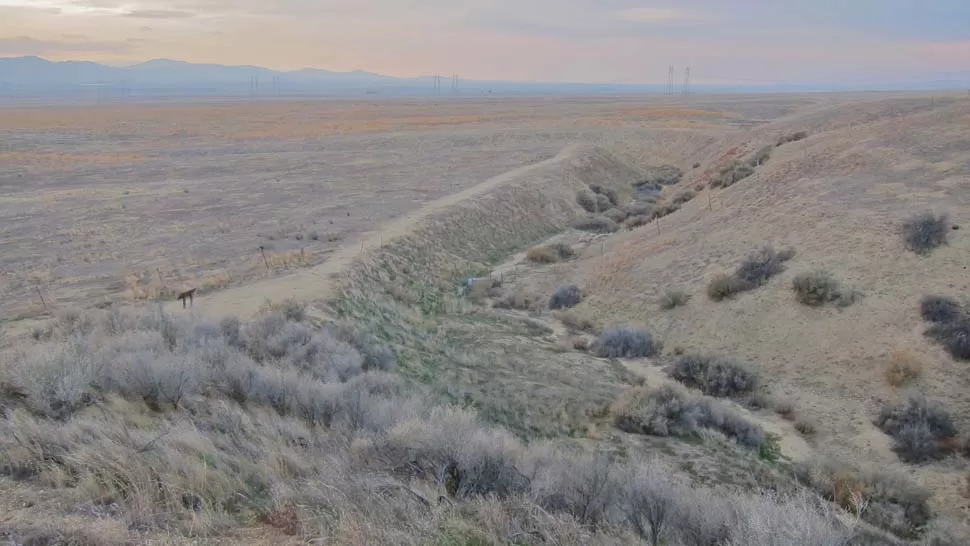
(400, 404)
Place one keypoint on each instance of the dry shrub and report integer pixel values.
(671, 411)
(522, 300)
(921, 430)
(638, 208)
(609, 193)
(603, 203)
(792, 137)
(617, 215)
(714, 375)
(805, 428)
(576, 323)
(724, 286)
(818, 288)
(895, 503)
(925, 231)
(674, 298)
(634, 222)
(626, 342)
(665, 175)
(756, 269)
(935, 308)
(542, 255)
(596, 224)
(587, 200)
(664, 210)
(566, 296)
(684, 197)
(903, 368)
(551, 253)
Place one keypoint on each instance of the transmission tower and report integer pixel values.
(670, 80)
(454, 83)
(687, 81)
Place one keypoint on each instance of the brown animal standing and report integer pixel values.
(188, 294)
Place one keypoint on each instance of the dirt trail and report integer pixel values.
(315, 283)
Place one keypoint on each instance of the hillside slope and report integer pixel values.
(838, 199)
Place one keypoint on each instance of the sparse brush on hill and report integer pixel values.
(596, 224)
(792, 137)
(950, 325)
(382, 451)
(566, 296)
(925, 231)
(715, 376)
(626, 342)
(757, 269)
(674, 298)
(818, 288)
(922, 430)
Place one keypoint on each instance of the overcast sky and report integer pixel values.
(820, 41)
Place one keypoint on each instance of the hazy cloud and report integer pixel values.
(160, 14)
(24, 45)
(659, 15)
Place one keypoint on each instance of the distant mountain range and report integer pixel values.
(37, 77)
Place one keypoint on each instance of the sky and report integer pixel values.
(602, 41)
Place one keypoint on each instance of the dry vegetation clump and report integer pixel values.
(617, 215)
(941, 309)
(550, 253)
(566, 296)
(634, 222)
(612, 197)
(587, 199)
(638, 208)
(804, 427)
(670, 411)
(735, 172)
(596, 224)
(791, 137)
(757, 269)
(542, 255)
(740, 169)
(576, 323)
(674, 298)
(760, 157)
(888, 500)
(950, 325)
(818, 288)
(521, 300)
(664, 175)
(648, 193)
(922, 430)
(925, 231)
(715, 376)
(626, 342)
(903, 368)
(663, 210)
(684, 197)
(189, 427)
(478, 289)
